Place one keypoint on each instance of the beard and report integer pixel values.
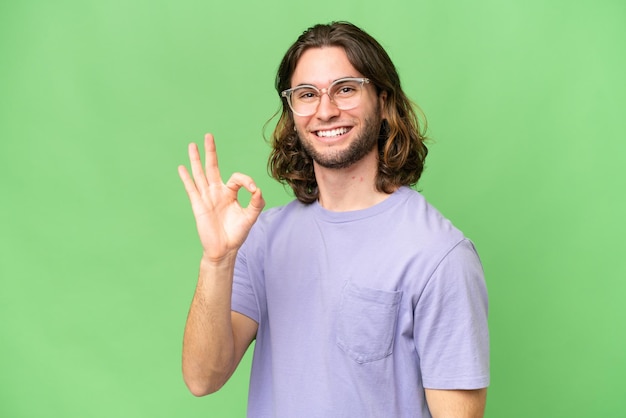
(360, 146)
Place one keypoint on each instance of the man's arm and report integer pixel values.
(215, 338)
(457, 403)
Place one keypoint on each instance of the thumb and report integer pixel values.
(257, 203)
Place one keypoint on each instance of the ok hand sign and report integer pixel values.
(223, 224)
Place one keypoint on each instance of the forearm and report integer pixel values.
(208, 344)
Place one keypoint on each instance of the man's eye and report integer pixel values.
(346, 90)
(306, 95)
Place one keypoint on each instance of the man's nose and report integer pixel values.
(326, 108)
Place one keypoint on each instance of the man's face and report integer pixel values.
(336, 138)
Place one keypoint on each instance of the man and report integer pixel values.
(363, 299)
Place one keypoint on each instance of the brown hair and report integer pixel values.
(401, 141)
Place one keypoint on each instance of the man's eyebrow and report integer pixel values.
(335, 80)
(305, 85)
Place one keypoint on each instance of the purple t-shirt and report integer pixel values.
(359, 311)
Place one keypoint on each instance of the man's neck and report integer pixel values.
(351, 188)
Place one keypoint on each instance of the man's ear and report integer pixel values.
(382, 97)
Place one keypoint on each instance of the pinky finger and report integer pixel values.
(190, 185)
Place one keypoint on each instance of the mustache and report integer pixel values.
(331, 125)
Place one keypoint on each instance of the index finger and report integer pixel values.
(211, 168)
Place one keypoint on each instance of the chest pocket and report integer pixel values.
(367, 322)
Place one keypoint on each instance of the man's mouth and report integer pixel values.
(332, 132)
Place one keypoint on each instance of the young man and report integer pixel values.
(363, 299)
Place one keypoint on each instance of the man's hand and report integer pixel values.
(222, 223)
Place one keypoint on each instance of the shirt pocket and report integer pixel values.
(367, 322)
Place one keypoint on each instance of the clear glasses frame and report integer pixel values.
(340, 92)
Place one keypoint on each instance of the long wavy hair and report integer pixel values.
(401, 148)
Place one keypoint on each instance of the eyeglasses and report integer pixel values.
(345, 93)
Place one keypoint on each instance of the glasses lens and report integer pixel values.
(346, 94)
(304, 100)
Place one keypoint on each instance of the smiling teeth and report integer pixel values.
(332, 132)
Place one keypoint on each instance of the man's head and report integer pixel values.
(395, 131)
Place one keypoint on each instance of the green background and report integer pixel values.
(98, 249)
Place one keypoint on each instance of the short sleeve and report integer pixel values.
(244, 299)
(450, 323)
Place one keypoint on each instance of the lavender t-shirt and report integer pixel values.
(359, 311)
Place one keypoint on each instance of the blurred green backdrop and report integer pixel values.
(98, 250)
